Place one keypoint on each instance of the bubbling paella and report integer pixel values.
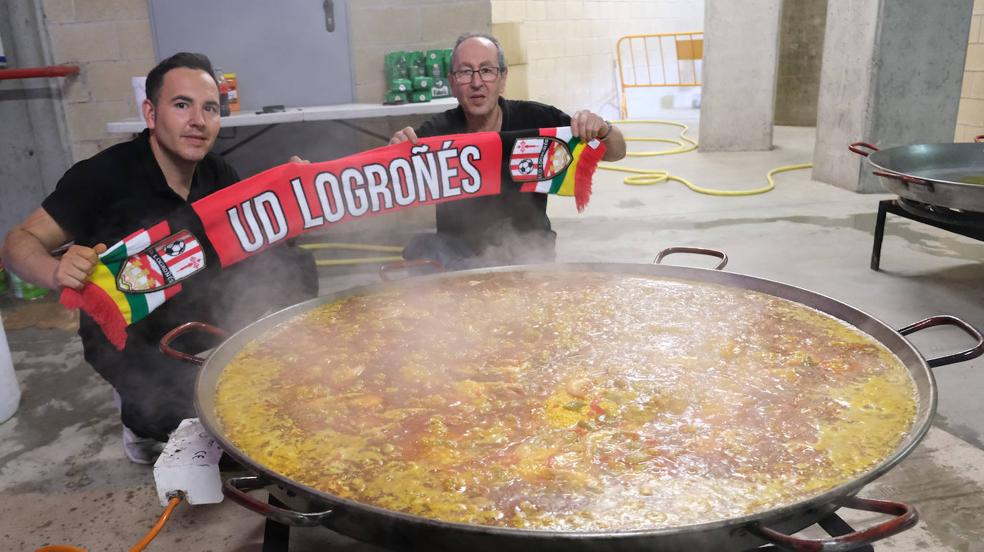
(577, 401)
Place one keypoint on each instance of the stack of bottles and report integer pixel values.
(22, 290)
(228, 92)
(417, 76)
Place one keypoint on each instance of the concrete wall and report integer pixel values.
(846, 85)
(740, 59)
(891, 76)
(800, 56)
(568, 46)
(970, 116)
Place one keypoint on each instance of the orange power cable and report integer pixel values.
(171, 505)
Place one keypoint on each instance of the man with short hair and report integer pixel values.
(512, 227)
(134, 185)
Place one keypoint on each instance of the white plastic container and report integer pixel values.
(10, 392)
(139, 93)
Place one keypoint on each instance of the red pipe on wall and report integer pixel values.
(39, 72)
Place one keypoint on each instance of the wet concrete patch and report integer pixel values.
(928, 239)
(630, 204)
(58, 390)
(43, 314)
(950, 504)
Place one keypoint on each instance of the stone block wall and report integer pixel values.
(570, 45)
(970, 117)
(800, 54)
(381, 26)
(110, 41)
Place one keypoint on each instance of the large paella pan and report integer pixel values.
(578, 406)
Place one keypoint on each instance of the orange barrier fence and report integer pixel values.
(655, 60)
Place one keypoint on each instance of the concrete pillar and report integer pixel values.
(891, 76)
(741, 55)
(34, 150)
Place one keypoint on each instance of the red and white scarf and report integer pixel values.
(148, 267)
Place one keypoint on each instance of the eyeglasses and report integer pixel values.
(487, 74)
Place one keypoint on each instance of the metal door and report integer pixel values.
(292, 53)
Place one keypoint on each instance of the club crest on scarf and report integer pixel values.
(162, 265)
(536, 159)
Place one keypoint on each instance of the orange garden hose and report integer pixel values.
(171, 505)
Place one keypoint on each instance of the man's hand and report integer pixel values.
(587, 126)
(76, 265)
(406, 134)
(296, 159)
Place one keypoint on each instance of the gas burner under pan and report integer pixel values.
(944, 215)
(965, 223)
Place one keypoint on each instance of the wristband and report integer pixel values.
(608, 132)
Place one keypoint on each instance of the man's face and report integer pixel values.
(185, 121)
(477, 97)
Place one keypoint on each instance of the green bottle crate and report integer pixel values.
(420, 96)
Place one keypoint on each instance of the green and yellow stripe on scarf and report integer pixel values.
(145, 269)
(102, 297)
(560, 164)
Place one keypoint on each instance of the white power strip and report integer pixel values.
(189, 464)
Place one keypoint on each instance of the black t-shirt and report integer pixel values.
(480, 221)
(122, 189)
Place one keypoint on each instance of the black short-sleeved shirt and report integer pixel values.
(478, 220)
(122, 189)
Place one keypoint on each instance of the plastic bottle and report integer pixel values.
(223, 93)
(26, 290)
(10, 392)
(233, 92)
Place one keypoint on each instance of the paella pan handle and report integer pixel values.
(905, 517)
(386, 270)
(855, 147)
(697, 251)
(899, 176)
(237, 489)
(947, 320)
(187, 327)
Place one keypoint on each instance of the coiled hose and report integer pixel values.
(648, 177)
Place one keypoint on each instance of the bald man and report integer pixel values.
(512, 227)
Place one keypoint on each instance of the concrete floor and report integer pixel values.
(64, 478)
